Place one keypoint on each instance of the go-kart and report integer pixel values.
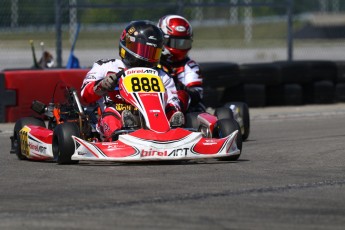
(71, 135)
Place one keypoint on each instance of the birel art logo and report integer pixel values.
(152, 153)
(176, 152)
(37, 148)
(132, 71)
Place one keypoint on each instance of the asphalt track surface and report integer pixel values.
(290, 176)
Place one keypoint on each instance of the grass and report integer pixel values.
(268, 35)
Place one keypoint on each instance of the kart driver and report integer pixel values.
(140, 45)
(178, 38)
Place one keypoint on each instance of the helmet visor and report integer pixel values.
(150, 53)
(179, 43)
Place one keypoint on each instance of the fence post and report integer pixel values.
(289, 30)
(58, 31)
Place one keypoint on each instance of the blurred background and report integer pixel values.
(239, 31)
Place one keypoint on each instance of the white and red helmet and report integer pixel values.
(178, 37)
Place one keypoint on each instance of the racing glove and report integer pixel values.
(105, 85)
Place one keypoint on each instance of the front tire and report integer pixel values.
(16, 139)
(225, 127)
(63, 144)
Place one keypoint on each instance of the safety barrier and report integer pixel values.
(276, 84)
(18, 88)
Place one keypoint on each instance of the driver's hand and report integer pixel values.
(109, 82)
(106, 85)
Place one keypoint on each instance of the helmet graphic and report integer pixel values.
(141, 44)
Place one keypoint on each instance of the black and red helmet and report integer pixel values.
(178, 37)
(141, 44)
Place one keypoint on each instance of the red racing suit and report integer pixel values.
(112, 104)
(188, 80)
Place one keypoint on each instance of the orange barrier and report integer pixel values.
(39, 85)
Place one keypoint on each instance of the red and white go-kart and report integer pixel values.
(71, 136)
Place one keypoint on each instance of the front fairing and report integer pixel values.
(143, 88)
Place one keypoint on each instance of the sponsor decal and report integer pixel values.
(114, 145)
(131, 30)
(147, 94)
(121, 107)
(132, 71)
(180, 28)
(180, 152)
(81, 153)
(37, 148)
(90, 77)
(152, 152)
(210, 142)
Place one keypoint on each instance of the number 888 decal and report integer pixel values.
(143, 83)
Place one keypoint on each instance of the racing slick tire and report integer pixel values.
(63, 144)
(223, 113)
(16, 141)
(225, 127)
(243, 112)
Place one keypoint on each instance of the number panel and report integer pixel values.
(24, 145)
(143, 82)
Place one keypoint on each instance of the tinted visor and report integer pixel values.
(179, 43)
(150, 53)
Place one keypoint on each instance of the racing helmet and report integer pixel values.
(141, 44)
(178, 37)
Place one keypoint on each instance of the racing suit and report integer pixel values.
(111, 103)
(188, 80)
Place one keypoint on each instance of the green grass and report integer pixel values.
(268, 35)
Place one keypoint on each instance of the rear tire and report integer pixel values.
(223, 113)
(16, 141)
(225, 127)
(63, 144)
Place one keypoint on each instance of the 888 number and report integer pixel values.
(145, 84)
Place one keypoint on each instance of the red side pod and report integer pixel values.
(208, 120)
(43, 134)
(209, 145)
(116, 149)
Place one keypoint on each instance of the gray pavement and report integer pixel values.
(290, 176)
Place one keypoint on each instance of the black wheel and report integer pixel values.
(16, 140)
(223, 113)
(63, 144)
(243, 113)
(191, 120)
(225, 127)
